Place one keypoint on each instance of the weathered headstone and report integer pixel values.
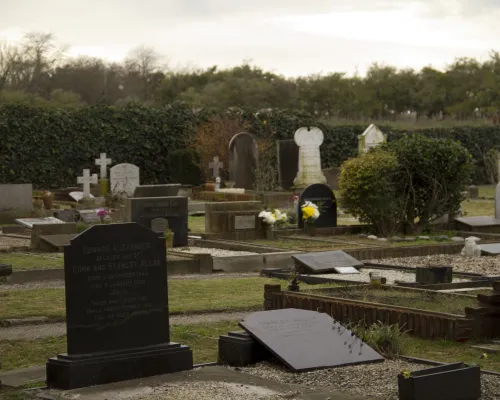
(16, 197)
(323, 197)
(144, 211)
(86, 180)
(215, 166)
(288, 162)
(309, 140)
(370, 138)
(167, 190)
(89, 216)
(29, 222)
(103, 162)
(117, 309)
(70, 215)
(124, 178)
(243, 160)
(327, 261)
(305, 340)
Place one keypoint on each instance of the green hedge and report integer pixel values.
(51, 147)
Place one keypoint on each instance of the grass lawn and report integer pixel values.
(475, 208)
(185, 296)
(450, 304)
(487, 191)
(196, 224)
(21, 261)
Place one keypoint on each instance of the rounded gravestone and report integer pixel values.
(243, 160)
(323, 197)
(309, 140)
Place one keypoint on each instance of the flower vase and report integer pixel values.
(48, 201)
(310, 229)
(38, 203)
(270, 232)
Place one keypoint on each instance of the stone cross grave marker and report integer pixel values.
(309, 140)
(328, 261)
(117, 309)
(215, 166)
(103, 162)
(86, 180)
(305, 340)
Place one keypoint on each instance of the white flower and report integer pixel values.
(309, 204)
(267, 217)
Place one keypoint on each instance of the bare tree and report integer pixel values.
(9, 56)
(144, 60)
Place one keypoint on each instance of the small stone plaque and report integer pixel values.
(306, 340)
(326, 261)
(490, 249)
(29, 222)
(242, 222)
(159, 225)
(479, 221)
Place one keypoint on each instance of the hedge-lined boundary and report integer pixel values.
(51, 147)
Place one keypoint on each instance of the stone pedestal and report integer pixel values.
(309, 172)
(239, 349)
(434, 275)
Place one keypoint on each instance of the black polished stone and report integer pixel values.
(147, 210)
(117, 309)
(306, 340)
(288, 162)
(323, 197)
(239, 349)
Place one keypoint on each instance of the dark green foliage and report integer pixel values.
(183, 166)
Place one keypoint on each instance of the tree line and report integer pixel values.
(37, 71)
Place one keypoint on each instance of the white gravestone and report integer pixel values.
(103, 162)
(86, 180)
(309, 170)
(370, 138)
(215, 165)
(124, 179)
(497, 195)
(29, 222)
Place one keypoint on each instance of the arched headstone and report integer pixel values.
(370, 138)
(243, 160)
(309, 140)
(323, 197)
(124, 179)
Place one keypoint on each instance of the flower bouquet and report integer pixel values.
(102, 214)
(270, 219)
(310, 214)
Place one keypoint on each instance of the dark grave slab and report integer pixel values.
(168, 190)
(239, 349)
(490, 249)
(5, 269)
(305, 340)
(288, 162)
(448, 382)
(67, 215)
(146, 212)
(13, 229)
(328, 261)
(117, 309)
(323, 197)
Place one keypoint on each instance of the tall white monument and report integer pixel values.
(309, 140)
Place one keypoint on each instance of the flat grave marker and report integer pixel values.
(78, 196)
(328, 261)
(117, 309)
(478, 221)
(490, 249)
(29, 222)
(305, 340)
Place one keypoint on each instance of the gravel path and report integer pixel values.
(58, 284)
(6, 241)
(486, 265)
(32, 332)
(391, 275)
(214, 252)
(377, 381)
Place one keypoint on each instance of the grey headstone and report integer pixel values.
(326, 261)
(16, 197)
(288, 162)
(243, 160)
(305, 340)
(490, 249)
(167, 190)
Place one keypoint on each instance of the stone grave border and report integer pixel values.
(420, 323)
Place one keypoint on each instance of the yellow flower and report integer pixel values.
(307, 212)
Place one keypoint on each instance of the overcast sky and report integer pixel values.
(290, 37)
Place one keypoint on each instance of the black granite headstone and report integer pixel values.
(306, 340)
(167, 190)
(288, 162)
(146, 211)
(326, 261)
(239, 349)
(243, 160)
(323, 197)
(117, 309)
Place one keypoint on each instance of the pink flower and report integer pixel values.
(102, 213)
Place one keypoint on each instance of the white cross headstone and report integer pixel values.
(215, 165)
(86, 180)
(103, 162)
(309, 170)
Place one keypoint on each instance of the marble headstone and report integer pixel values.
(124, 179)
(309, 140)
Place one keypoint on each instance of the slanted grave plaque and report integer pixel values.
(117, 309)
(328, 261)
(305, 340)
(490, 249)
(242, 222)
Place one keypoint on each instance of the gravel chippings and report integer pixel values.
(215, 252)
(486, 265)
(391, 275)
(8, 241)
(376, 381)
